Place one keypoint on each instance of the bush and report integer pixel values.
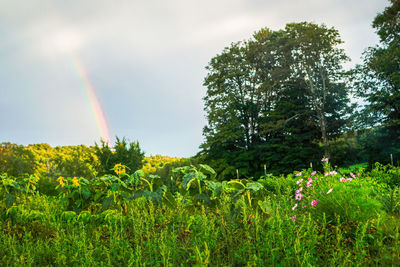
(129, 155)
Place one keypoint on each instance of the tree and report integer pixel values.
(272, 98)
(377, 81)
(129, 155)
(318, 61)
(16, 160)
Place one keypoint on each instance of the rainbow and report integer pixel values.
(93, 100)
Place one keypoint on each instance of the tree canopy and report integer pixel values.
(275, 99)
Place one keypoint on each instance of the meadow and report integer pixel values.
(331, 217)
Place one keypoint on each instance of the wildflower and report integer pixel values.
(314, 203)
(343, 179)
(305, 206)
(314, 173)
(299, 196)
(294, 218)
(333, 173)
(308, 183)
(352, 175)
(299, 190)
(119, 169)
(299, 181)
(324, 160)
(348, 179)
(358, 174)
(75, 181)
(329, 191)
(298, 174)
(326, 174)
(61, 181)
(294, 207)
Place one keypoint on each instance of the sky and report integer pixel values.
(143, 60)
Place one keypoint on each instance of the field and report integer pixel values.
(325, 218)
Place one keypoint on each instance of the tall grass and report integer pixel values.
(349, 226)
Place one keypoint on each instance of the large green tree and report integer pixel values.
(272, 99)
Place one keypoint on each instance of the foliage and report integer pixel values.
(152, 163)
(275, 99)
(44, 160)
(377, 81)
(129, 155)
(249, 223)
(16, 160)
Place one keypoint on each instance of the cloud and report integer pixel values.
(145, 59)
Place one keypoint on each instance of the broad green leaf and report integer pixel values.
(200, 176)
(207, 169)
(255, 186)
(187, 180)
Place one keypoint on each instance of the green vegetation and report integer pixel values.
(279, 100)
(135, 219)
(282, 99)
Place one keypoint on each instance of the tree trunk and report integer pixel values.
(324, 135)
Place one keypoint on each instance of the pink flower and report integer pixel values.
(343, 179)
(299, 190)
(314, 173)
(294, 218)
(349, 179)
(298, 174)
(333, 173)
(308, 183)
(329, 191)
(324, 159)
(352, 175)
(305, 206)
(299, 196)
(314, 203)
(294, 207)
(326, 174)
(358, 174)
(299, 181)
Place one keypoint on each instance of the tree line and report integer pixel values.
(282, 99)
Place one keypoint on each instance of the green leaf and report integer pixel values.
(107, 202)
(200, 176)
(169, 200)
(203, 197)
(138, 174)
(208, 169)
(187, 180)
(215, 187)
(115, 187)
(255, 186)
(182, 170)
(86, 194)
(9, 200)
(152, 176)
(265, 207)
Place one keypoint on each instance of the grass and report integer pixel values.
(39, 230)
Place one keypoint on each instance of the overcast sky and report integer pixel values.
(145, 59)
